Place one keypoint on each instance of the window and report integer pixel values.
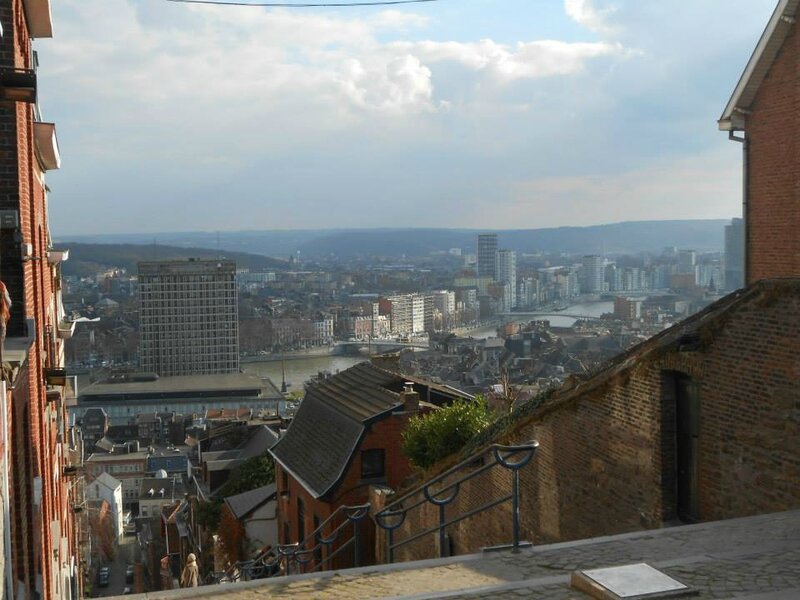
(372, 464)
(301, 521)
(317, 543)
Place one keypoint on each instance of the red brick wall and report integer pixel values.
(773, 218)
(31, 286)
(352, 490)
(605, 463)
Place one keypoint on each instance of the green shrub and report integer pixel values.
(251, 474)
(430, 437)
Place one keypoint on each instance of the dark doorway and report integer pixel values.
(687, 425)
(680, 429)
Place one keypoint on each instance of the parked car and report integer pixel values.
(129, 574)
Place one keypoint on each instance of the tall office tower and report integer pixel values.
(188, 317)
(593, 274)
(734, 255)
(39, 454)
(506, 272)
(487, 255)
(687, 260)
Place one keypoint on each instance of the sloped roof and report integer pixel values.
(768, 47)
(172, 489)
(330, 422)
(107, 480)
(682, 336)
(333, 416)
(360, 392)
(243, 504)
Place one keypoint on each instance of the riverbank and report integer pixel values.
(314, 352)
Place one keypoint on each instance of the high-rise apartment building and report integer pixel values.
(39, 454)
(734, 255)
(188, 317)
(506, 272)
(487, 255)
(411, 313)
(444, 302)
(593, 271)
(687, 259)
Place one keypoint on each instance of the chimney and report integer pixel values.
(410, 398)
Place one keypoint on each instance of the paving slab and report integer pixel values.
(724, 559)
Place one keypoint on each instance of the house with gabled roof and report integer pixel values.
(249, 522)
(763, 115)
(106, 487)
(345, 437)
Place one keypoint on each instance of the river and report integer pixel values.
(589, 309)
(300, 370)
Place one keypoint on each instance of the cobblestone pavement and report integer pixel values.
(724, 559)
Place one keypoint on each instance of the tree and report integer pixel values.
(251, 474)
(433, 436)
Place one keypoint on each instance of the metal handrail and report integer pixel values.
(393, 515)
(281, 560)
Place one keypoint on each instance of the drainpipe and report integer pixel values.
(745, 199)
(6, 500)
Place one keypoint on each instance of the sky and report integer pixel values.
(501, 114)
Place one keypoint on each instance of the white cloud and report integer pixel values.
(526, 60)
(586, 14)
(403, 83)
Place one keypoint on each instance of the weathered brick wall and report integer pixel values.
(352, 490)
(773, 218)
(606, 459)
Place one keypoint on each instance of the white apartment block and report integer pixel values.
(323, 330)
(189, 317)
(507, 273)
(408, 314)
(444, 303)
(594, 271)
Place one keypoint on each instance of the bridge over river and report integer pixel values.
(569, 315)
(376, 345)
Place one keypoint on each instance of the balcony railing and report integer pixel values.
(443, 490)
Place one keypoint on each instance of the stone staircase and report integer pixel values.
(753, 558)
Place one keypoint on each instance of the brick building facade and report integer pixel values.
(346, 437)
(42, 560)
(764, 114)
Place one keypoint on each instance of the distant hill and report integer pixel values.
(628, 237)
(87, 259)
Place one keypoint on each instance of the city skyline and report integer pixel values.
(562, 113)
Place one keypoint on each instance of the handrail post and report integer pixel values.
(441, 531)
(356, 544)
(515, 510)
(389, 544)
